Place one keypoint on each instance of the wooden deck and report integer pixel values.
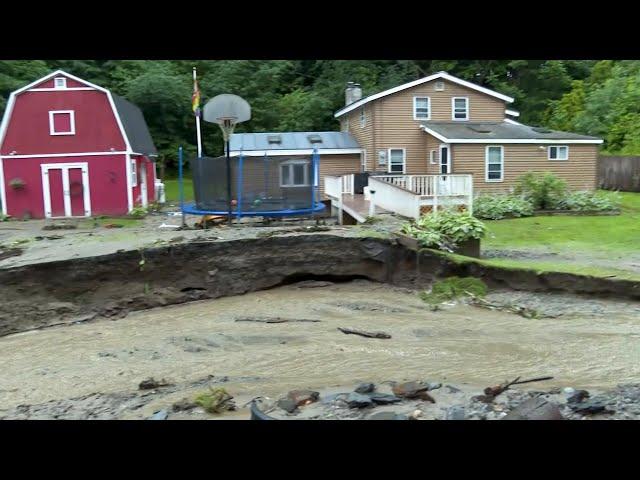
(358, 207)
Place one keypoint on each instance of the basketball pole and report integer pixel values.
(227, 142)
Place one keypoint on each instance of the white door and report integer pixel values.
(143, 184)
(65, 189)
(444, 181)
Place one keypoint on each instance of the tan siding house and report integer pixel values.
(414, 122)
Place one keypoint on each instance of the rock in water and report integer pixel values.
(150, 383)
(303, 397)
(578, 396)
(383, 398)
(287, 405)
(434, 385)
(365, 388)
(161, 415)
(387, 416)
(455, 413)
(413, 390)
(535, 409)
(589, 408)
(357, 400)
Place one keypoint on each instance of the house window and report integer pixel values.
(363, 118)
(558, 152)
(421, 108)
(439, 86)
(62, 122)
(294, 173)
(460, 108)
(432, 157)
(134, 173)
(60, 82)
(494, 158)
(396, 160)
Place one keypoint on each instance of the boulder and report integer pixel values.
(357, 400)
(365, 388)
(578, 396)
(384, 398)
(535, 409)
(413, 390)
(160, 415)
(287, 405)
(590, 407)
(303, 397)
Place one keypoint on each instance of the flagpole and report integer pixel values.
(197, 120)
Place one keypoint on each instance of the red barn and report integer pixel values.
(69, 148)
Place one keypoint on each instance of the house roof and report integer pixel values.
(435, 76)
(135, 126)
(290, 141)
(500, 132)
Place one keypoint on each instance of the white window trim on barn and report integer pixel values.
(558, 149)
(59, 82)
(486, 168)
(289, 164)
(134, 173)
(72, 122)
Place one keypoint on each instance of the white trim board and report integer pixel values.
(507, 140)
(46, 191)
(72, 122)
(513, 113)
(274, 153)
(513, 122)
(74, 154)
(71, 89)
(3, 194)
(439, 75)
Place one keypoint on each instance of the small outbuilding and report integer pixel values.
(69, 148)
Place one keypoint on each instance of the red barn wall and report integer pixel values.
(71, 83)
(95, 124)
(107, 184)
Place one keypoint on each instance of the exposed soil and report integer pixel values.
(93, 370)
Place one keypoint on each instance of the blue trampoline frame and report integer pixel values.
(191, 209)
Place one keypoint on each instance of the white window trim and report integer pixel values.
(55, 83)
(404, 160)
(557, 147)
(363, 118)
(134, 173)
(432, 157)
(415, 108)
(453, 109)
(486, 164)
(72, 121)
(449, 159)
(295, 162)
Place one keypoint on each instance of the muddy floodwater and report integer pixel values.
(459, 344)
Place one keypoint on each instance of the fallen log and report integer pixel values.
(362, 333)
(275, 320)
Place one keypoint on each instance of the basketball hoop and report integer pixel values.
(227, 110)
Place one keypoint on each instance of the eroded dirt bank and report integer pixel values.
(83, 289)
(92, 370)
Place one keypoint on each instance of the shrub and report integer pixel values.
(544, 191)
(216, 400)
(496, 207)
(445, 230)
(138, 212)
(589, 202)
(454, 287)
(17, 183)
(4, 218)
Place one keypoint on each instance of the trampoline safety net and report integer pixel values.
(269, 184)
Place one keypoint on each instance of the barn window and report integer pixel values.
(134, 173)
(60, 82)
(62, 122)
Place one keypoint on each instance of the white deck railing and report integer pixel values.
(432, 185)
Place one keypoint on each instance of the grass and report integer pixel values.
(574, 234)
(172, 190)
(452, 288)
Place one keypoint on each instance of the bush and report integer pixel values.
(138, 212)
(4, 218)
(445, 230)
(496, 207)
(216, 400)
(454, 287)
(589, 202)
(544, 191)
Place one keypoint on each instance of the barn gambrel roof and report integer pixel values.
(129, 117)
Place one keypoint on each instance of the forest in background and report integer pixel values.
(592, 97)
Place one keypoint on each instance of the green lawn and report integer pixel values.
(619, 233)
(594, 245)
(172, 191)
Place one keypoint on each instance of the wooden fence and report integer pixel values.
(619, 173)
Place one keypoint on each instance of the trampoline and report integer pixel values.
(261, 186)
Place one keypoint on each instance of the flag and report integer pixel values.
(195, 98)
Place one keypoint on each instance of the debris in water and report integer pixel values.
(216, 400)
(275, 320)
(313, 284)
(365, 388)
(151, 383)
(350, 331)
(412, 390)
(303, 397)
(578, 396)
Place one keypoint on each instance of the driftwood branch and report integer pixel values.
(362, 333)
(492, 392)
(275, 320)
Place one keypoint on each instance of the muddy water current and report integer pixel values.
(184, 343)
